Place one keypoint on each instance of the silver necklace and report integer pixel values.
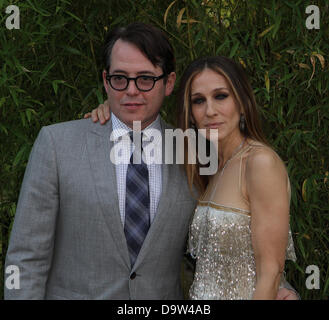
(234, 153)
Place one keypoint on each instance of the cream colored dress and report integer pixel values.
(220, 240)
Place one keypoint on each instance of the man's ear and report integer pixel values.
(105, 83)
(170, 84)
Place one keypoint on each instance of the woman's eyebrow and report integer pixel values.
(216, 89)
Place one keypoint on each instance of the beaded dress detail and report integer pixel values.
(220, 240)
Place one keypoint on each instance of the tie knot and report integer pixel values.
(136, 137)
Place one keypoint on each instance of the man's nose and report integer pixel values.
(132, 89)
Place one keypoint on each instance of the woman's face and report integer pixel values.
(214, 106)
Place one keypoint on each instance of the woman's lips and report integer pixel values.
(213, 125)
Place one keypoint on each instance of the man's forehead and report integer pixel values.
(127, 57)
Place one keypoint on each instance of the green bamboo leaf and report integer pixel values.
(118, 20)
(326, 285)
(46, 70)
(42, 12)
(277, 26)
(72, 50)
(55, 84)
(301, 247)
(21, 155)
(99, 96)
(28, 115)
(2, 101)
(299, 268)
(313, 109)
(220, 49)
(14, 96)
(37, 102)
(29, 112)
(3, 129)
(234, 49)
(23, 120)
(286, 77)
(73, 16)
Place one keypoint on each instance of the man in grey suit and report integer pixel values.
(68, 238)
(75, 235)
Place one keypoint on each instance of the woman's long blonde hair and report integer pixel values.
(243, 94)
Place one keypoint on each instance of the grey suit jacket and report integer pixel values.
(68, 240)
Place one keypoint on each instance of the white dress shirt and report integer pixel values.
(121, 134)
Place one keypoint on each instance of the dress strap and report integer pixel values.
(244, 167)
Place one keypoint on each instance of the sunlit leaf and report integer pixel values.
(167, 11)
(267, 81)
(266, 31)
(179, 17)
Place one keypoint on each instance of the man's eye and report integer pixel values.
(118, 78)
(146, 78)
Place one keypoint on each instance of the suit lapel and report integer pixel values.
(104, 175)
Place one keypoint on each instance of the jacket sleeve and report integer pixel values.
(32, 237)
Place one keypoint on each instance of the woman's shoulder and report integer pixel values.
(262, 157)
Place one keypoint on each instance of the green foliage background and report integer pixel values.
(50, 72)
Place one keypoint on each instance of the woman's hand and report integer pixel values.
(286, 294)
(102, 113)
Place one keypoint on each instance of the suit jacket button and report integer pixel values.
(133, 276)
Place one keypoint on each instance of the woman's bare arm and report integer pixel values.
(266, 181)
(102, 113)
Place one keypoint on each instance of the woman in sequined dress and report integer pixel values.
(240, 232)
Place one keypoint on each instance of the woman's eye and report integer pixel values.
(197, 101)
(221, 96)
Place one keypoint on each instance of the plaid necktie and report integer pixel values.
(137, 212)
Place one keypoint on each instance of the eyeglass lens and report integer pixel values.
(121, 82)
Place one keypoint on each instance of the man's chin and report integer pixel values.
(136, 119)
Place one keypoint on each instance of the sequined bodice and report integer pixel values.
(220, 240)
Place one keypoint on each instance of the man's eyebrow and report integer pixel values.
(143, 72)
(146, 72)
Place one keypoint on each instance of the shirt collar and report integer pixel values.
(120, 129)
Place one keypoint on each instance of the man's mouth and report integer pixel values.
(132, 105)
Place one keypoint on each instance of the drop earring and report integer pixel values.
(242, 123)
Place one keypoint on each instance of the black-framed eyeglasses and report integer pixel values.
(120, 82)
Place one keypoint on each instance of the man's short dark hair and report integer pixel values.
(148, 39)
